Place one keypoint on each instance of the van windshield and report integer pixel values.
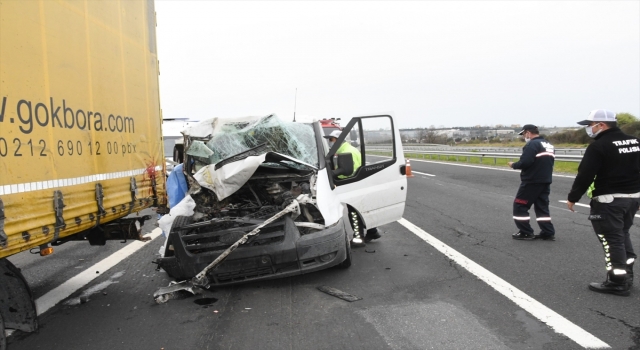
(230, 137)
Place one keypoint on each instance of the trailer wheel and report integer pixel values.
(3, 336)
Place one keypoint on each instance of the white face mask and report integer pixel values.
(526, 140)
(589, 130)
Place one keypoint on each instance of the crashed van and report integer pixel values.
(273, 190)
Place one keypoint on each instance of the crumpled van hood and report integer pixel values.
(230, 177)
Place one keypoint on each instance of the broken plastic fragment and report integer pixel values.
(339, 294)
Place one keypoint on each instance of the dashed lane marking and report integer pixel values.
(554, 320)
(63, 291)
(417, 172)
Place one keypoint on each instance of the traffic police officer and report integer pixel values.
(536, 163)
(345, 147)
(614, 161)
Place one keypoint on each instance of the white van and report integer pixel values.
(243, 172)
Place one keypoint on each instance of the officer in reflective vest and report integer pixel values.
(345, 147)
(614, 161)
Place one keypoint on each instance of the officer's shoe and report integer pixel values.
(615, 284)
(545, 237)
(523, 236)
(629, 274)
(371, 235)
(357, 242)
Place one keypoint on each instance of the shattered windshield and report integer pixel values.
(233, 136)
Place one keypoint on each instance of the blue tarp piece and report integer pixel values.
(176, 186)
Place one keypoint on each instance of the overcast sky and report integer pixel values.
(442, 63)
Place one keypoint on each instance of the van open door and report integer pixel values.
(377, 189)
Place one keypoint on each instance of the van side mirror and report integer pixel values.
(345, 164)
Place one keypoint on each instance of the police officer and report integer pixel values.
(345, 147)
(536, 163)
(614, 161)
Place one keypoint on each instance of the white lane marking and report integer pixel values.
(551, 318)
(64, 290)
(417, 172)
(587, 206)
(483, 167)
(578, 204)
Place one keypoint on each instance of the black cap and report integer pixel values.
(529, 127)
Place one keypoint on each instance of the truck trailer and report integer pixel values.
(80, 132)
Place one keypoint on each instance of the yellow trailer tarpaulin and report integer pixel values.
(80, 120)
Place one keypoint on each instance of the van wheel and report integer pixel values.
(347, 261)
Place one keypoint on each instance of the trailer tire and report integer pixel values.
(3, 336)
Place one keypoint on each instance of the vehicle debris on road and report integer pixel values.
(339, 294)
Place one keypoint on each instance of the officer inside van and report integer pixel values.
(347, 148)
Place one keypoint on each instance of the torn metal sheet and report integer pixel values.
(227, 179)
(339, 294)
(174, 291)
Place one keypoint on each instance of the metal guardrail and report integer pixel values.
(438, 147)
(567, 151)
(481, 155)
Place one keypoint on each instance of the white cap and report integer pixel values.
(599, 115)
(334, 133)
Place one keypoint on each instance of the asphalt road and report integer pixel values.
(413, 296)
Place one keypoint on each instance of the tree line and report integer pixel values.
(628, 123)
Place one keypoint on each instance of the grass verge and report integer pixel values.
(559, 166)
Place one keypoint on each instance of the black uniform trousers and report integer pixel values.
(611, 223)
(537, 195)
